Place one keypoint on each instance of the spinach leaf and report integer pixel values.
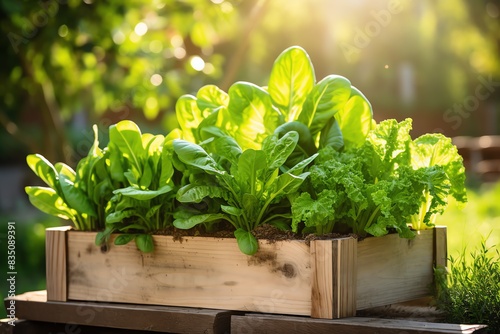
(247, 194)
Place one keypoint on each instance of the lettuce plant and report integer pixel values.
(385, 184)
(330, 112)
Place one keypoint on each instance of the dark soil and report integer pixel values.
(267, 232)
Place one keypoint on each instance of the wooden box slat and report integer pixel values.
(393, 270)
(327, 279)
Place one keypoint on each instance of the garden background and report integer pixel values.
(68, 64)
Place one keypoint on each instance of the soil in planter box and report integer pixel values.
(267, 232)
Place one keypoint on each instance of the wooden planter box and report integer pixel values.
(325, 279)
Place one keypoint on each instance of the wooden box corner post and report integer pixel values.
(334, 266)
(440, 247)
(56, 263)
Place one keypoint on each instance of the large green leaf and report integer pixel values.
(192, 193)
(47, 200)
(167, 169)
(355, 119)
(75, 197)
(211, 98)
(332, 136)
(145, 243)
(326, 98)
(250, 165)
(189, 116)
(278, 150)
(124, 239)
(43, 169)
(251, 115)
(227, 148)
(86, 174)
(141, 194)
(291, 80)
(117, 164)
(119, 216)
(127, 137)
(194, 155)
(246, 242)
(438, 150)
(186, 222)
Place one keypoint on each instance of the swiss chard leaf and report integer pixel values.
(355, 119)
(292, 78)
(127, 137)
(328, 97)
(251, 114)
(189, 116)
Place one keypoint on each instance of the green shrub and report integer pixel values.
(470, 291)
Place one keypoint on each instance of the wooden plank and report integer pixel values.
(322, 276)
(56, 257)
(35, 307)
(440, 247)
(255, 323)
(197, 272)
(392, 270)
(39, 327)
(345, 274)
(334, 278)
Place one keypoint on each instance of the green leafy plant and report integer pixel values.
(243, 157)
(470, 291)
(126, 187)
(73, 195)
(380, 186)
(143, 203)
(330, 112)
(247, 192)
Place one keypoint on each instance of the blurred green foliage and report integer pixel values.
(479, 221)
(67, 64)
(70, 63)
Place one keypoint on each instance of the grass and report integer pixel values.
(470, 292)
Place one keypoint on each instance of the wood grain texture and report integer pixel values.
(285, 277)
(197, 272)
(56, 257)
(393, 270)
(272, 324)
(34, 306)
(440, 247)
(334, 278)
(345, 274)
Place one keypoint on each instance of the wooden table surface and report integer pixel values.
(37, 315)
